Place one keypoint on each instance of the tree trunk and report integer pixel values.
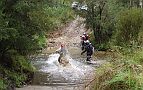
(63, 1)
(141, 3)
(130, 3)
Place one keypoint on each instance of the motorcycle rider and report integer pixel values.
(61, 51)
(88, 50)
(84, 38)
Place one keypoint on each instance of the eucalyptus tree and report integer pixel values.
(98, 19)
(23, 28)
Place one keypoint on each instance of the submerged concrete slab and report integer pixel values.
(52, 88)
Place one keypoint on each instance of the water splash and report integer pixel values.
(74, 72)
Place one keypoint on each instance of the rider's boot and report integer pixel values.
(88, 58)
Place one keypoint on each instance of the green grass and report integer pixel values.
(121, 74)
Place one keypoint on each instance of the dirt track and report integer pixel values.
(70, 37)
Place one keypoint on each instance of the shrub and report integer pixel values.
(128, 26)
(122, 74)
(2, 84)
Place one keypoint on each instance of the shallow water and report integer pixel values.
(50, 72)
(54, 76)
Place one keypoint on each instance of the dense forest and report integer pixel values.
(115, 26)
(24, 25)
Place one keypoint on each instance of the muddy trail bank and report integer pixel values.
(69, 36)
